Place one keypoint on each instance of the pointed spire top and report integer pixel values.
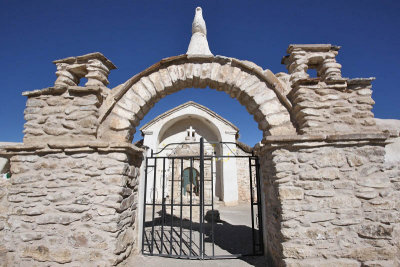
(198, 43)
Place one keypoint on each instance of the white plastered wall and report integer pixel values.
(171, 128)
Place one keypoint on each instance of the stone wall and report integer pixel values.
(4, 210)
(72, 205)
(331, 203)
(340, 106)
(330, 200)
(63, 113)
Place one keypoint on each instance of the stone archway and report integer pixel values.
(259, 91)
(76, 175)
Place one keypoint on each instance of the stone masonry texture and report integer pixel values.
(75, 208)
(332, 206)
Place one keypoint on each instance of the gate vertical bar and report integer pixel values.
(191, 203)
(201, 207)
(260, 222)
(163, 208)
(144, 203)
(172, 206)
(154, 204)
(181, 195)
(251, 206)
(212, 204)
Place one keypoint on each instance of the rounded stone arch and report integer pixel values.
(259, 91)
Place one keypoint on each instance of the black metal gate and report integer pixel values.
(179, 217)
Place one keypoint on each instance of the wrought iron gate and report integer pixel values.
(179, 219)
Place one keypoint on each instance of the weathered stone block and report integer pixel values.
(321, 174)
(343, 202)
(366, 193)
(322, 263)
(319, 216)
(297, 251)
(56, 219)
(364, 254)
(320, 193)
(43, 254)
(375, 231)
(288, 193)
(376, 180)
(71, 208)
(388, 263)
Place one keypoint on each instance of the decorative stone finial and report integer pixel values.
(198, 43)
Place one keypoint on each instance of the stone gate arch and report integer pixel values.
(323, 167)
(259, 91)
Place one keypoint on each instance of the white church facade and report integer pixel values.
(176, 133)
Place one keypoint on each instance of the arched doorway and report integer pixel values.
(259, 91)
(99, 139)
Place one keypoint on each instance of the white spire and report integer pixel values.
(198, 43)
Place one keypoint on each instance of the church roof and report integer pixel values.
(187, 104)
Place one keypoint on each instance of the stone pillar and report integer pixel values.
(72, 204)
(321, 57)
(97, 73)
(66, 75)
(94, 66)
(327, 103)
(4, 213)
(333, 106)
(62, 113)
(330, 201)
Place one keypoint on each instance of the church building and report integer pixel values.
(177, 132)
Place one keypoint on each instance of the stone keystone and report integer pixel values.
(198, 43)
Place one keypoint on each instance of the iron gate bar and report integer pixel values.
(156, 242)
(191, 195)
(172, 205)
(163, 206)
(201, 193)
(187, 245)
(144, 209)
(212, 207)
(148, 242)
(154, 197)
(259, 211)
(175, 241)
(184, 205)
(180, 235)
(162, 244)
(251, 205)
(198, 158)
(169, 241)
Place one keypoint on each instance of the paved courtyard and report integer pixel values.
(233, 235)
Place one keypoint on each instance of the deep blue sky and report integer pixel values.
(137, 34)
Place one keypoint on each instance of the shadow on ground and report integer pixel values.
(229, 240)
